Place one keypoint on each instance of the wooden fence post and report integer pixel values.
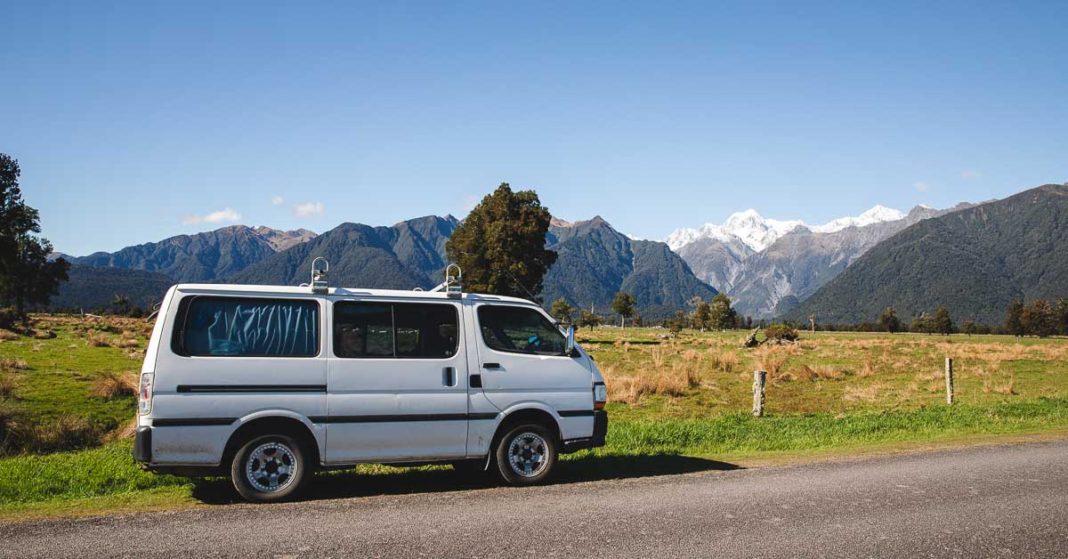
(759, 378)
(949, 381)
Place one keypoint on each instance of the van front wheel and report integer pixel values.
(526, 455)
(268, 468)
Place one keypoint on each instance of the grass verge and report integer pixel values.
(105, 479)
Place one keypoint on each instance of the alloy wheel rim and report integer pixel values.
(528, 454)
(271, 467)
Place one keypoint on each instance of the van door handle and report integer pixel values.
(491, 365)
(449, 376)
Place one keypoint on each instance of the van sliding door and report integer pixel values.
(396, 381)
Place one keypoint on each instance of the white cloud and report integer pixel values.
(920, 185)
(308, 209)
(969, 174)
(227, 215)
(277, 200)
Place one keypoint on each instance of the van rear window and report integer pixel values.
(248, 327)
(395, 330)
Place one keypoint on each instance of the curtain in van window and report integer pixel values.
(235, 327)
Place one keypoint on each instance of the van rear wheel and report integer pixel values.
(269, 468)
(526, 455)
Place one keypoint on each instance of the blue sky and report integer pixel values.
(136, 121)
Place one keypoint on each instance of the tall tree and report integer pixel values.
(889, 320)
(27, 277)
(1014, 318)
(702, 313)
(1062, 316)
(500, 246)
(623, 305)
(589, 319)
(561, 310)
(922, 323)
(942, 323)
(1038, 319)
(722, 315)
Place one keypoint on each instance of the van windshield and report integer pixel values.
(519, 330)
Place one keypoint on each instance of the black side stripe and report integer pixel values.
(401, 418)
(198, 422)
(187, 388)
(193, 421)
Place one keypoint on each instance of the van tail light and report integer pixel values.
(144, 395)
(600, 395)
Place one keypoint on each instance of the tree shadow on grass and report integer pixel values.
(348, 483)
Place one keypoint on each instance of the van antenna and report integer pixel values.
(320, 266)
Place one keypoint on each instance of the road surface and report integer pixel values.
(1009, 501)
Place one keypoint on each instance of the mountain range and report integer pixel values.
(767, 265)
(975, 261)
(595, 262)
(973, 257)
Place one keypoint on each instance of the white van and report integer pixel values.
(269, 383)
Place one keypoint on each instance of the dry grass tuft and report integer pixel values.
(13, 363)
(43, 334)
(8, 335)
(113, 385)
(725, 360)
(771, 359)
(868, 393)
(95, 339)
(1008, 388)
(672, 381)
(657, 355)
(8, 384)
(127, 343)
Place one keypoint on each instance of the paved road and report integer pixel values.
(1007, 501)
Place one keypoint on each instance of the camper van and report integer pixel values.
(267, 384)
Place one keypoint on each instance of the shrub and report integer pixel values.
(9, 318)
(781, 333)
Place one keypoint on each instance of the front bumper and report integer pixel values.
(600, 432)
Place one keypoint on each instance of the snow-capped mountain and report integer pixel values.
(761, 262)
(878, 214)
(758, 232)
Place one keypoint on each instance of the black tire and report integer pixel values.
(273, 454)
(526, 454)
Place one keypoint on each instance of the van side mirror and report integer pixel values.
(570, 350)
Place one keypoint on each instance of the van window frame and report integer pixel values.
(393, 320)
(538, 310)
(182, 318)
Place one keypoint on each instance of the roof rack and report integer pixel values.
(453, 284)
(318, 275)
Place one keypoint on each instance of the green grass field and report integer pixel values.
(677, 404)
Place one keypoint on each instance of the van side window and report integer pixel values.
(395, 330)
(248, 327)
(519, 330)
